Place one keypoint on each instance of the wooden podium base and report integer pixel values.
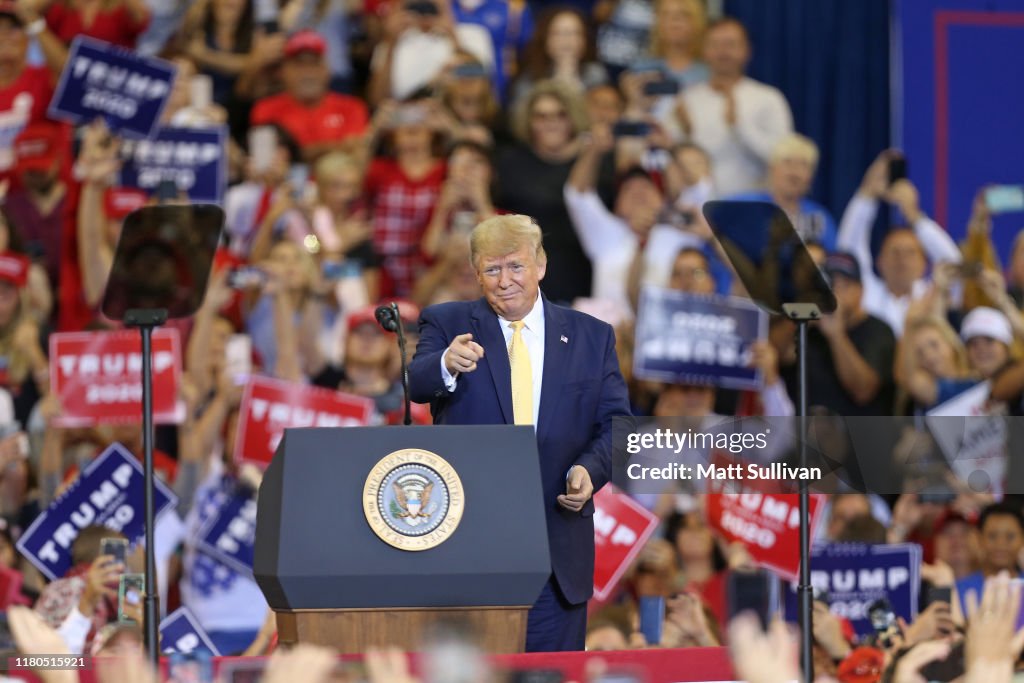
(498, 630)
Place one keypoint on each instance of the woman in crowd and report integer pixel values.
(340, 221)
(531, 174)
(263, 206)
(561, 49)
(221, 37)
(465, 197)
(934, 362)
(288, 304)
(676, 39)
(119, 22)
(467, 95)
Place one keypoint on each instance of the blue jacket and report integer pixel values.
(582, 391)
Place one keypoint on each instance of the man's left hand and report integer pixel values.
(578, 489)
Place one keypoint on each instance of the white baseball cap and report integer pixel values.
(986, 322)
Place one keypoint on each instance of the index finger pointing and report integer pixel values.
(479, 350)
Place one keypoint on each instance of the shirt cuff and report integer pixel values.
(449, 379)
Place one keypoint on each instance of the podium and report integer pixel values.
(368, 536)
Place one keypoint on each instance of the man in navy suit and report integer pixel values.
(463, 367)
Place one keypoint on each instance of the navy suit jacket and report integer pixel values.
(582, 390)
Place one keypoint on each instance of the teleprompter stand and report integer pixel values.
(781, 277)
(160, 271)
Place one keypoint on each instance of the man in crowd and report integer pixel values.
(634, 238)
(36, 203)
(513, 357)
(735, 119)
(318, 119)
(850, 352)
(1001, 539)
(906, 252)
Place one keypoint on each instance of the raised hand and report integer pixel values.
(463, 354)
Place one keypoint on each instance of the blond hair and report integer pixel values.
(19, 363)
(948, 334)
(569, 99)
(500, 235)
(700, 22)
(796, 146)
(333, 163)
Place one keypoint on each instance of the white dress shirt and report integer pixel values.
(739, 154)
(533, 337)
(855, 237)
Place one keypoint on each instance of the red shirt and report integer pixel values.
(402, 207)
(73, 313)
(116, 25)
(334, 118)
(23, 101)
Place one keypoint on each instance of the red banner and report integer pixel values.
(767, 524)
(269, 406)
(621, 527)
(98, 376)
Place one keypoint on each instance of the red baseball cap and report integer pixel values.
(362, 316)
(305, 41)
(862, 665)
(14, 268)
(38, 146)
(118, 202)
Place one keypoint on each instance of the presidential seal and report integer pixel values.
(413, 499)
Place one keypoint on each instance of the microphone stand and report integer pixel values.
(405, 364)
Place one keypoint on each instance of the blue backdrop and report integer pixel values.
(831, 60)
(959, 117)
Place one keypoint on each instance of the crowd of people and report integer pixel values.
(365, 140)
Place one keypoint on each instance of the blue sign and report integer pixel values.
(194, 159)
(109, 492)
(230, 533)
(697, 339)
(115, 84)
(855, 575)
(181, 633)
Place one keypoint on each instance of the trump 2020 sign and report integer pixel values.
(697, 339)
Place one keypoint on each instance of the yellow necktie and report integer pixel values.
(522, 376)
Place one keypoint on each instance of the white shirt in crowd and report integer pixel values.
(739, 154)
(855, 237)
(611, 246)
(533, 337)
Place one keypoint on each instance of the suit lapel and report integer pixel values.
(556, 360)
(487, 333)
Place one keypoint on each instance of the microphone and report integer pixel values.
(389, 318)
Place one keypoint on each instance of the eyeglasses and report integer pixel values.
(541, 115)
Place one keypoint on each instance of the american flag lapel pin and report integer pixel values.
(564, 339)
